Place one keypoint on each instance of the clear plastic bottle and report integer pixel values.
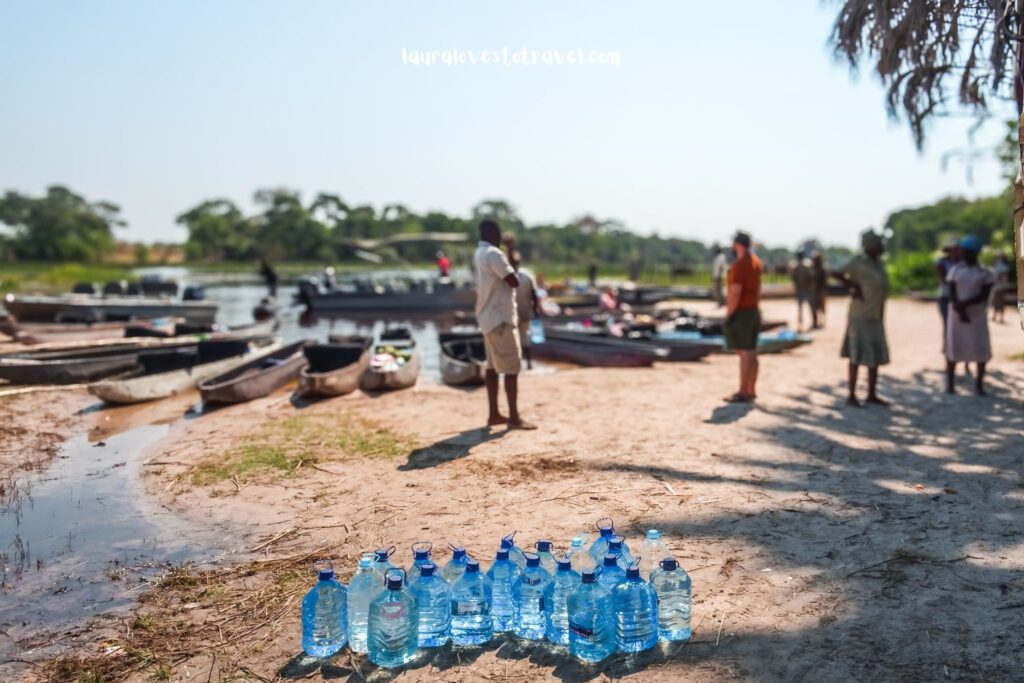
(503, 575)
(471, 607)
(599, 548)
(617, 546)
(581, 559)
(456, 566)
(420, 557)
(366, 585)
(547, 560)
(515, 553)
(382, 562)
(556, 602)
(636, 613)
(612, 573)
(653, 550)
(675, 592)
(433, 601)
(324, 613)
(591, 620)
(394, 623)
(528, 598)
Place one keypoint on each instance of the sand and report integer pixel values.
(825, 543)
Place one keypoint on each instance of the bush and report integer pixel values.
(912, 271)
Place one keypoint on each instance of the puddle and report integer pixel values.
(81, 538)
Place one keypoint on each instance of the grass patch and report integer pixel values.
(283, 446)
(1017, 356)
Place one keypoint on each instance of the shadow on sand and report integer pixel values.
(451, 448)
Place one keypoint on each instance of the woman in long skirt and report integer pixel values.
(967, 338)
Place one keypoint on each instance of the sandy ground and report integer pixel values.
(826, 543)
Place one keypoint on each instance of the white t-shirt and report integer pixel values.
(719, 266)
(524, 295)
(495, 300)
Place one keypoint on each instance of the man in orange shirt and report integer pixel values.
(743, 319)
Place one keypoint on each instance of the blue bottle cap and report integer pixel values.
(615, 542)
(383, 553)
(324, 570)
(564, 564)
(458, 552)
(653, 534)
(577, 542)
(366, 561)
(428, 569)
(588, 576)
(532, 559)
(633, 572)
(472, 566)
(611, 560)
(395, 583)
(669, 564)
(501, 554)
(510, 539)
(605, 526)
(421, 550)
(544, 546)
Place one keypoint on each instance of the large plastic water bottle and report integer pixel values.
(636, 613)
(394, 623)
(364, 587)
(528, 598)
(617, 546)
(420, 557)
(599, 548)
(456, 566)
(674, 589)
(503, 575)
(547, 560)
(471, 607)
(515, 553)
(324, 613)
(382, 562)
(653, 550)
(581, 559)
(591, 620)
(433, 600)
(556, 602)
(612, 573)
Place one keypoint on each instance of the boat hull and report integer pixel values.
(251, 381)
(441, 300)
(595, 350)
(392, 380)
(337, 382)
(469, 369)
(79, 308)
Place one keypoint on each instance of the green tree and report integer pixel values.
(60, 225)
(217, 230)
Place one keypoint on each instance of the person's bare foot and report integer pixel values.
(495, 420)
(738, 398)
(521, 424)
(852, 401)
(874, 400)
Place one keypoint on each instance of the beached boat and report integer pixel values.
(86, 308)
(463, 359)
(43, 333)
(334, 369)
(394, 364)
(596, 349)
(713, 327)
(772, 342)
(165, 373)
(257, 378)
(69, 366)
(441, 298)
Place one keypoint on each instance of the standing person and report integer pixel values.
(999, 289)
(269, 277)
(819, 276)
(864, 342)
(444, 265)
(803, 286)
(527, 306)
(742, 317)
(330, 282)
(950, 256)
(719, 267)
(967, 339)
(592, 274)
(496, 314)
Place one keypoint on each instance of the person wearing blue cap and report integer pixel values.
(967, 338)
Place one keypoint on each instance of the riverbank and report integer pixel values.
(824, 542)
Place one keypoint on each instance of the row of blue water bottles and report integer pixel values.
(389, 613)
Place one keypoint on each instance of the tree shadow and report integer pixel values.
(451, 448)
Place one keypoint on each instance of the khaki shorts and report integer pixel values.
(504, 354)
(524, 333)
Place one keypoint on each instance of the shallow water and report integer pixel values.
(82, 538)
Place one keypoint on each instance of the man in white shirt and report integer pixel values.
(496, 284)
(719, 267)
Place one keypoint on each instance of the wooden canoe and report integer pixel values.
(43, 333)
(388, 378)
(257, 378)
(333, 369)
(167, 373)
(775, 342)
(463, 359)
(591, 348)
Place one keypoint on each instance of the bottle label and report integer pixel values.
(581, 631)
(460, 609)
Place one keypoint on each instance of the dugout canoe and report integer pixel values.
(257, 378)
(596, 350)
(377, 377)
(463, 359)
(334, 369)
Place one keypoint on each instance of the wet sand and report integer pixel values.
(825, 543)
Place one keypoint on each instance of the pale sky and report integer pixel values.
(719, 114)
